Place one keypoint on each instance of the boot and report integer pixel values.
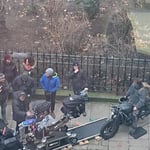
(84, 114)
(53, 115)
(6, 122)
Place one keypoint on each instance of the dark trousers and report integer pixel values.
(3, 110)
(50, 96)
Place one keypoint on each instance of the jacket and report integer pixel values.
(143, 97)
(50, 84)
(4, 90)
(10, 70)
(28, 86)
(78, 80)
(133, 93)
(19, 108)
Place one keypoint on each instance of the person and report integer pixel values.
(140, 98)
(132, 95)
(78, 79)
(50, 83)
(9, 69)
(29, 65)
(25, 83)
(20, 108)
(143, 96)
(4, 89)
(133, 91)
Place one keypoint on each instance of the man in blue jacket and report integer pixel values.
(50, 83)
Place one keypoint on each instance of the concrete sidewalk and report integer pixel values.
(95, 110)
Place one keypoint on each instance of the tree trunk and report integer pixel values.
(2, 17)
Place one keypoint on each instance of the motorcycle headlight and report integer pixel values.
(112, 113)
(113, 110)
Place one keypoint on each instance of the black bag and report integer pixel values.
(11, 143)
(7, 139)
(41, 106)
(74, 106)
(73, 101)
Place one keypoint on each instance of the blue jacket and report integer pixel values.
(50, 84)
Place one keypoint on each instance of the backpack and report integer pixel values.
(8, 141)
(41, 106)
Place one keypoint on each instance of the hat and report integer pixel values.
(7, 57)
(22, 94)
(49, 71)
(75, 64)
(145, 84)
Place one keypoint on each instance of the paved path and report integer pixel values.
(95, 110)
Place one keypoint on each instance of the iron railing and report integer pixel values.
(104, 74)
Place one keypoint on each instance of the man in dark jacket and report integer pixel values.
(133, 91)
(138, 94)
(4, 89)
(50, 83)
(24, 83)
(143, 96)
(78, 79)
(9, 68)
(20, 107)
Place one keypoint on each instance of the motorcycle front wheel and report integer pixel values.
(109, 129)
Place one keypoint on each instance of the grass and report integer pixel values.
(93, 96)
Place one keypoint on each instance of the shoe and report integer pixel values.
(53, 115)
(6, 122)
(132, 132)
(84, 114)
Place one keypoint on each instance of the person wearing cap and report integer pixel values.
(78, 79)
(4, 89)
(25, 83)
(142, 96)
(20, 108)
(9, 68)
(50, 83)
(133, 92)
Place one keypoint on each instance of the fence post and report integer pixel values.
(112, 74)
(117, 80)
(144, 68)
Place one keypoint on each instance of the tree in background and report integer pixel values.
(91, 7)
(90, 27)
(2, 17)
(119, 32)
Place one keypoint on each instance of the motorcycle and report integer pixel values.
(122, 114)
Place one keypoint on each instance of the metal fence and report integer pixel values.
(104, 74)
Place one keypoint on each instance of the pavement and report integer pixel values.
(96, 110)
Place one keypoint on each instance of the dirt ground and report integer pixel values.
(23, 31)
